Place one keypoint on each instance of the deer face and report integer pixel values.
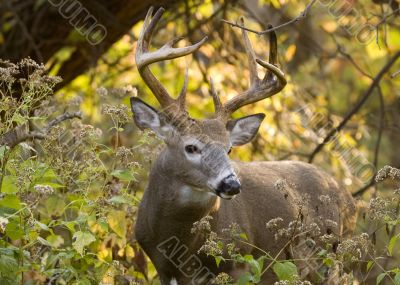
(197, 151)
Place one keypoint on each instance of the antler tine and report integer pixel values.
(251, 57)
(144, 58)
(182, 95)
(217, 101)
(271, 66)
(273, 54)
(273, 82)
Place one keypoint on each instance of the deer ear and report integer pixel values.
(244, 129)
(146, 117)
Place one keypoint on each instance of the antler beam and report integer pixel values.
(144, 58)
(273, 82)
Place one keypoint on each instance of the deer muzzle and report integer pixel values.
(229, 187)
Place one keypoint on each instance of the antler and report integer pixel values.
(144, 58)
(273, 81)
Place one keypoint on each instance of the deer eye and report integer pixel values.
(229, 151)
(192, 149)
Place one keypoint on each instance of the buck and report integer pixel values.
(193, 176)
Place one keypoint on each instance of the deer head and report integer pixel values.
(197, 150)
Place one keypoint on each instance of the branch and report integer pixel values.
(393, 75)
(61, 118)
(385, 17)
(301, 16)
(26, 32)
(20, 134)
(357, 107)
(342, 51)
(372, 182)
(360, 191)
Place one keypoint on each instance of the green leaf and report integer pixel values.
(117, 222)
(8, 280)
(70, 225)
(322, 253)
(9, 186)
(218, 260)
(285, 270)
(243, 236)
(46, 173)
(18, 118)
(43, 226)
(3, 150)
(122, 199)
(392, 244)
(55, 240)
(14, 230)
(244, 279)
(124, 175)
(55, 205)
(102, 222)
(380, 278)
(328, 261)
(248, 258)
(84, 281)
(8, 264)
(255, 266)
(11, 201)
(370, 264)
(43, 241)
(81, 240)
(46, 176)
(397, 278)
(8, 250)
(260, 261)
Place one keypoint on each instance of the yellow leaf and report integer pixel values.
(129, 252)
(117, 222)
(290, 52)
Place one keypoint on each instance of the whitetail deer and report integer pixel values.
(194, 177)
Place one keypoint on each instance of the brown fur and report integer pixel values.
(162, 214)
(194, 167)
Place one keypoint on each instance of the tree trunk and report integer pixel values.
(39, 29)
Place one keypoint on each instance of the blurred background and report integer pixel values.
(340, 61)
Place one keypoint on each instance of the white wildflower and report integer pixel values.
(44, 189)
(3, 223)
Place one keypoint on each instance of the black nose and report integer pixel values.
(230, 186)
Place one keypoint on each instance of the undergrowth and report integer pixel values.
(68, 201)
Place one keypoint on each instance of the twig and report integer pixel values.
(393, 75)
(383, 21)
(19, 134)
(26, 32)
(301, 16)
(61, 118)
(360, 191)
(372, 182)
(357, 107)
(386, 17)
(342, 51)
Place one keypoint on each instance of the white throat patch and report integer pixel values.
(189, 195)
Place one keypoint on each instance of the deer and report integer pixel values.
(193, 176)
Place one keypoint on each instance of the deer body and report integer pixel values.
(170, 207)
(193, 176)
